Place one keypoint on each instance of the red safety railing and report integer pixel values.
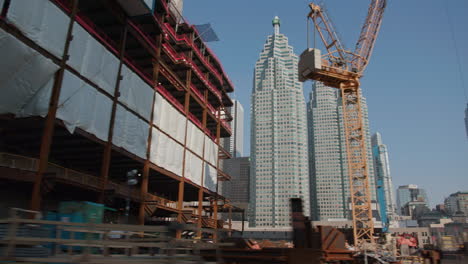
(145, 36)
(138, 70)
(226, 126)
(187, 41)
(211, 108)
(170, 98)
(184, 38)
(195, 120)
(171, 78)
(89, 26)
(180, 58)
(64, 4)
(177, 58)
(197, 92)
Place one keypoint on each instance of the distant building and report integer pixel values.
(430, 217)
(235, 143)
(328, 167)
(237, 189)
(441, 208)
(410, 193)
(279, 168)
(383, 179)
(422, 234)
(457, 202)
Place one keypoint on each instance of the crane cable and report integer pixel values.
(457, 54)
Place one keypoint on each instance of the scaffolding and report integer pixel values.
(93, 89)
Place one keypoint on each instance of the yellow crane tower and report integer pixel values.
(342, 69)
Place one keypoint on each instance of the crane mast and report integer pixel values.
(342, 69)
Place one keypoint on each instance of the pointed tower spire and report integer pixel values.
(276, 24)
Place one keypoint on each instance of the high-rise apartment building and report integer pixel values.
(385, 195)
(329, 179)
(410, 194)
(279, 135)
(235, 144)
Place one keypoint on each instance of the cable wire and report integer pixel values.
(457, 54)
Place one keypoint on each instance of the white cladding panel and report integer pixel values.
(42, 22)
(169, 119)
(195, 138)
(26, 78)
(193, 168)
(130, 132)
(211, 151)
(210, 178)
(166, 153)
(136, 93)
(91, 59)
(82, 106)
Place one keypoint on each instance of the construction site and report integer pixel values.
(112, 118)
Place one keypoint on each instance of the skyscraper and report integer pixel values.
(279, 135)
(383, 178)
(237, 189)
(235, 144)
(329, 178)
(407, 194)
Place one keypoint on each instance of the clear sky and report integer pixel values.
(413, 86)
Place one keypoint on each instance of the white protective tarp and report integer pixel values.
(130, 132)
(210, 178)
(26, 78)
(42, 22)
(81, 105)
(135, 93)
(169, 119)
(91, 59)
(166, 153)
(195, 138)
(193, 168)
(211, 151)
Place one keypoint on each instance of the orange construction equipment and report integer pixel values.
(343, 69)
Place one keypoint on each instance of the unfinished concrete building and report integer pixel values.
(93, 89)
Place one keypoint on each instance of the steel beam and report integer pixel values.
(48, 131)
(146, 168)
(106, 157)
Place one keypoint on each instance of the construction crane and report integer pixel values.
(342, 69)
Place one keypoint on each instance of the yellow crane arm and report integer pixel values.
(369, 33)
(342, 69)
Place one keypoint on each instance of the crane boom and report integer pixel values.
(343, 69)
(369, 33)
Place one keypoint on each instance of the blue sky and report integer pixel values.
(413, 86)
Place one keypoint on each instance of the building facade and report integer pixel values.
(237, 189)
(457, 202)
(409, 196)
(329, 179)
(385, 195)
(235, 144)
(278, 135)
